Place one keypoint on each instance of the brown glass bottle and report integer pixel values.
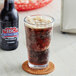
(9, 26)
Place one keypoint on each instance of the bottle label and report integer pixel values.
(10, 34)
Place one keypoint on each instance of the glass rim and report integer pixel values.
(53, 20)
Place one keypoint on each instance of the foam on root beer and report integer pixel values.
(38, 22)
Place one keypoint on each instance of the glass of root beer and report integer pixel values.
(38, 29)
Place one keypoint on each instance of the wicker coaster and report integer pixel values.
(47, 70)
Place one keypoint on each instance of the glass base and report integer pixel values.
(37, 66)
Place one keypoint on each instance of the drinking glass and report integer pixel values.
(38, 39)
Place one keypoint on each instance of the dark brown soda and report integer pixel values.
(38, 41)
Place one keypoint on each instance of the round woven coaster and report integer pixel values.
(47, 70)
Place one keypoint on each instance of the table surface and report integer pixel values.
(62, 52)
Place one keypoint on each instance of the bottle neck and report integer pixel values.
(9, 4)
